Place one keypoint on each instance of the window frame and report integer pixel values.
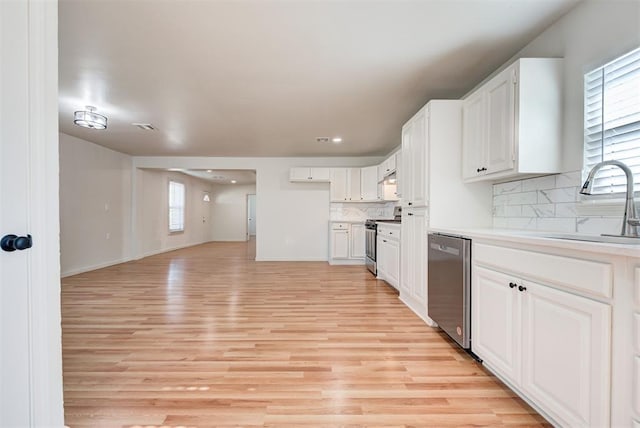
(170, 207)
(604, 198)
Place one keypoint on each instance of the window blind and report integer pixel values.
(176, 206)
(612, 122)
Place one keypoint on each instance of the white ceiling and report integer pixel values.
(265, 78)
(223, 176)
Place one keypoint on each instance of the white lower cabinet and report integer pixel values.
(388, 254)
(346, 243)
(552, 345)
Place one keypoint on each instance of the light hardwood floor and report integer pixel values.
(204, 337)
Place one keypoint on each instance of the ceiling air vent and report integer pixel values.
(144, 126)
(322, 139)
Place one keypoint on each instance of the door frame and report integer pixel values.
(43, 272)
(248, 234)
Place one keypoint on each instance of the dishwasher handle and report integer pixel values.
(444, 249)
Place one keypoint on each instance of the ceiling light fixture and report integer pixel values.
(233, 181)
(88, 119)
(209, 171)
(337, 140)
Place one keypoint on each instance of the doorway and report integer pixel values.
(251, 216)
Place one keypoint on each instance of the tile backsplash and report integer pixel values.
(548, 203)
(361, 211)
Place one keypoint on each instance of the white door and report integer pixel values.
(473, 137)
(30, 335)
(496, 319)
(392, 256)
(500, 122)
(251, 212)
(369, 183)
(419, 230)
(338, 186)
(407, 255)
(407, 163)
(566, 355)
(358, 241)
(419, 171)
(340, 244)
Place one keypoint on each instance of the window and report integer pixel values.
(176, 206)
(612, 121)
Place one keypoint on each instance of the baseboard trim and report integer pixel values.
(346, 262)
(167, 250)
(410, 304)
(290, 259)
(78, 271)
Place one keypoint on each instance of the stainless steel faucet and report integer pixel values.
(630, 221)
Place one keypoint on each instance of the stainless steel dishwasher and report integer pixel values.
(449, 285)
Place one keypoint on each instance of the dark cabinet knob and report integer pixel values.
(410, 203)
(13, 242)
(521, 288)
(512, 285)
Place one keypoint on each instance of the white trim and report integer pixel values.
(44, 258)
(90, 268)
(346, 262)
(167, 250)
(291, 259)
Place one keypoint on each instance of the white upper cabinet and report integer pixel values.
(339, 187)
(512, 125)
(300, 174)
(354, 181)
(369, 184)
(415, 134)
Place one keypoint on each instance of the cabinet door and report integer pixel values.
(419, 231)
(473, 136)
(495, 327)
(358, 241)
(406, 253)
(321, 174)
(338, 187)
(392, 259)
(339, 244)
(407, 163)
(354, 190)
(300, 174)
(399, 177)
(381, 257)
(566, 348)
(501, 116)
(369, 183)
(419, 141)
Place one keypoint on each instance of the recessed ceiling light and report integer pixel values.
(337, 140)
(209, 171)
(144, 126)
(233, 181)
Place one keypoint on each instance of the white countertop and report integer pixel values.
(541, 238)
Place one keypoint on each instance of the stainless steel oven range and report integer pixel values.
(371, 230)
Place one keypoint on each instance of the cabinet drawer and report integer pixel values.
(389, 232)
(339, 226)
(587, 276)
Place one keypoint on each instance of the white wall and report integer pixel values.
(229, 211)
(152, 218)
(293, 218)
(95, 200)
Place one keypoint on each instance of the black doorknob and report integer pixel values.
(14, 242)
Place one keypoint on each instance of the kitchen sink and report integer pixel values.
(609, 239)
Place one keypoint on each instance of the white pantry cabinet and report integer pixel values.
(551, 344)
(388, 253)
(413, 262)
(346, 243)
(414, 159)
(301, 174)
(512, 125)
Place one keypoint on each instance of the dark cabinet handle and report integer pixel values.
(409, 213)
(384, 240)
(512, 285)
(410, 203)
(521, 288)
